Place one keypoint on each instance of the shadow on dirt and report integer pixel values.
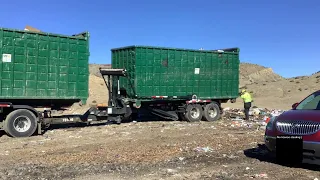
(261, 153)
(2, 133)
(73, 126)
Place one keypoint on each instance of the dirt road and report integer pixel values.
(145, 150)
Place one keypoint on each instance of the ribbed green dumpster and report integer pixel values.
(174, 72)
(43, 65)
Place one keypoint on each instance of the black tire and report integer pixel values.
(182, 117)
(128, 119)
(189, 115)
(207, 114)
(25, 115)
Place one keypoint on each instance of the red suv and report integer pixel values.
(302, 120)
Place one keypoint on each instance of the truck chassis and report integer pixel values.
(24, 120)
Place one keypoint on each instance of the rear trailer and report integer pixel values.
(175, 83)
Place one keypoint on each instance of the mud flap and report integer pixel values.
(39, 128)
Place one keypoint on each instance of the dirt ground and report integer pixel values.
(145, 150)
(161, 149)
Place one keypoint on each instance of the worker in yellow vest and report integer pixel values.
(247, 99)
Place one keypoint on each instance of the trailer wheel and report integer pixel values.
(20, 123)
(212, 112)
(194, 113)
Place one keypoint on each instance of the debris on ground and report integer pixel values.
(261, 116)
(187, 150)
(255, 113)
(263, 175)
(203, 149)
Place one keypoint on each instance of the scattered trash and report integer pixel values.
(259, 115)
(204, 149)
(276, 112)
(237, 119)
(232, 156)
(263, 175)
(266, 119)
(255, 111)
(247, 168)
(241, 124)
(181, 158)
(171, 171)
(5, 154)
(226, 109)
(213, 127)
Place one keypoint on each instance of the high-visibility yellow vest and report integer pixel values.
(246, 97)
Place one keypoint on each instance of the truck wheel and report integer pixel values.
(194, 113)
(211, 112)
(20, 123)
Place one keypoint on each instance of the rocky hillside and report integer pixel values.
(273, 91)
(253, 73)
(282, 93)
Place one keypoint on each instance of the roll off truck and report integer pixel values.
(42, 72)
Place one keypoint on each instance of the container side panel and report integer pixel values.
(125, 58)
(82, 70)
(179, 72)
(43, 66)
(155, 73)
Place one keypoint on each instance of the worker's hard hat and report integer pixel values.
(243, 90)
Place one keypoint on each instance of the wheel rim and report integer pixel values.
(212, 112)
(195, 113)
(22, 124)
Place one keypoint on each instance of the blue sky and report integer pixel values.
(283, 35)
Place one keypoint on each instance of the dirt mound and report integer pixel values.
(271, 90)
(253, 73)
(94, 68)
(98, 93)
(281, 94)
(247, 68)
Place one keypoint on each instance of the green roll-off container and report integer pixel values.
(177, 73)
(43, 66)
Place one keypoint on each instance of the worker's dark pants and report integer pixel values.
(246, 109)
